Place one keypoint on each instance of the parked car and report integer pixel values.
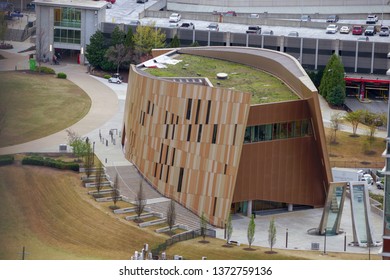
(142, 1)
(332, 29)
(371, 19)
(363, 39)
(380, 185)
(370, 30)
(174, 25)
(253, 29)
(116, 78)
(305, 18)
(111, 1)
(293, 34)
(384, 31)
(135, 22)
(357, 30)
(230, 14)
(109, 5)
(332, 18)
(345, 29)
(187, 25)
(268, 32)
(254, 16)
(175, 17)
(213, 27)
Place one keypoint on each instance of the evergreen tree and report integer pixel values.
(272, 233)
(332, 77)
(175, 43)
(96, 49)
(336, 96)
(129, 39)
(251, 231)
(117, 36)
(118, 55)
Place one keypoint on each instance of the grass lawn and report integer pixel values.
(33, 106)
(48, 212)
(350, 152)
(264, 87)
(215, 249)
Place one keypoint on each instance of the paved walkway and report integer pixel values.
(107, 113)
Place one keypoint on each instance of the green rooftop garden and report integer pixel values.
(264, 87)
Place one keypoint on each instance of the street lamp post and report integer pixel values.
(325, 242)
(345, 241)
(286, 237)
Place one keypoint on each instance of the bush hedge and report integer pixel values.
(106, 76)
(44, 69)
(6, 160)
(49, 162)
(61, 75)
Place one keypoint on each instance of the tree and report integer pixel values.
(117, 36)
(175, 43)
(140, 201)
(229, 229)
(88, 159)
(251, 230)
(272, 233)
(99, 177)
(335, 120)
(79, 145)
(354, 118)
(195, 44)
(336, 96)
(147, 38)
(373, 121)
(118, 54)
(3, 28)
(129, 40)
(332, 77)
(96, 49)
(203, 226)
(115, 194)
(171, 215)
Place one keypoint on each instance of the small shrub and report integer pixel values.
(44, 69)
(6, 160)
(106, 76)
(114, 207)
(61, 75)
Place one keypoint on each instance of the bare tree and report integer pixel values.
(115, 191)
(335, 121)
(140, 201)
(99, 177)
(171, 215)
(272, 233)
(119, 54)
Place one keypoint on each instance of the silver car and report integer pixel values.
(384, 31)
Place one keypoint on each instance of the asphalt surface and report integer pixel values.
(107, 113)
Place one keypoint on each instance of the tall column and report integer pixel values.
(249, 209)
(290, 207)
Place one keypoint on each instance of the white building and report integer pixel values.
(67, 25)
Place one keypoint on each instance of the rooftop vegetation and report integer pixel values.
(264, 87)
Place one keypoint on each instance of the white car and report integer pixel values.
(175, 17)
(116, 78)
(345, 30)
(213, 27)
(332, 29)
(384, 31)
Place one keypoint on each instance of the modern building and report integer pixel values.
(66, 26)
(214, 152)
(386, 199)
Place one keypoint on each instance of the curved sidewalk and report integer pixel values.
(103, 107)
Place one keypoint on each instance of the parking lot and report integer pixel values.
(124, 11)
